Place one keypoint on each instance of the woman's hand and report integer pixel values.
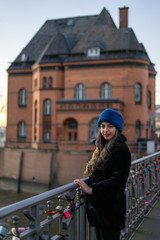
(83, 186)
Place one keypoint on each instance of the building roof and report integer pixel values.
(68, 39)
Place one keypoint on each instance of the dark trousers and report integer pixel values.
(105, 234)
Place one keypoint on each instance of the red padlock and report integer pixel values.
(53, 212)
(66, 215)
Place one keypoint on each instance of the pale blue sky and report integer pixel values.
(20, 20)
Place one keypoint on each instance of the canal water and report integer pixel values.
(8, 197)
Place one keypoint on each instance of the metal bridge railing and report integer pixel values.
(142, 191)
(61, 213)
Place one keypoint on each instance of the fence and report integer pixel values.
(66, 218)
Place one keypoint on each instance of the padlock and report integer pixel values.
(66, 221)
(3, 231)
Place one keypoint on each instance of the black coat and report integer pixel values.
(108, 186)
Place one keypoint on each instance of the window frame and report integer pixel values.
(149, 99)
(138, 130)
(22, 131)
(22, 101)
(94, 52)
(93, 129)
(106, 92)
(50, 84)
(44, 82)
(138, 93)
(47, 140)
(80, 91)
(47, 107)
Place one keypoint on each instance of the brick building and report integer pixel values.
(69, 72)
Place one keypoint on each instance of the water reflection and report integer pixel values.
(8, 197)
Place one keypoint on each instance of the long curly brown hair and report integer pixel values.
(101, 154)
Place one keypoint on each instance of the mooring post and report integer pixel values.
(50, 181)
(20, 172)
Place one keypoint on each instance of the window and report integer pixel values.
(71, 127)
(24, 57)
(149, 99)
(22, 130)
(44, 82)
(47, 107)
(47, 126)
(50, 82)
(106, 91)
(72, 124)
(23, 98)
(35, 113)
(93, 129)
(80, 91)
(47, 137)
(35, 134)
(138, 127)
(69, 136)
(70, 22)
(138, 93)
(93, 52)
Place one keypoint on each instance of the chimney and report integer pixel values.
(123, 17)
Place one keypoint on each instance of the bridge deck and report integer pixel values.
(150, 228)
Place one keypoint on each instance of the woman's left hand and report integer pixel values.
(83, 186)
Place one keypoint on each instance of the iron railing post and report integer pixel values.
(83, 218)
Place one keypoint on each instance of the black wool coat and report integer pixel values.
(108, 187)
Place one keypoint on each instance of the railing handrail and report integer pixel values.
(15, 207)
(145, 158)
(10, 209)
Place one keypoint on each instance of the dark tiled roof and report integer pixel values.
(68, 39)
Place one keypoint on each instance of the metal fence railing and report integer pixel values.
(61, 213)
(142, 191)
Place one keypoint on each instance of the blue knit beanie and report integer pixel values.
(113, 117)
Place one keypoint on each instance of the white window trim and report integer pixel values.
(94, 52)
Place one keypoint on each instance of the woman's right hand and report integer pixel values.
(85, 188)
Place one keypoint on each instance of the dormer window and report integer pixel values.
(70, 22)
(93, 52)
(24, 57)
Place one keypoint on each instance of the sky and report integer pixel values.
(20, 20)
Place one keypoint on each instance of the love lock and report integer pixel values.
(3, 232)
(67, 217)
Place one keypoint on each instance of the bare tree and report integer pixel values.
(3, 104)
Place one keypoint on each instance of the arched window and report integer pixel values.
(47, 107)
(138, 129)
(138, 93)
(149, 99)
(50, 82)
(22, 130)
(93, 129)
(44, 82)
(106, 91)
(80, 91)
(23, 98)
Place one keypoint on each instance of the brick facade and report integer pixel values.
(57, 80)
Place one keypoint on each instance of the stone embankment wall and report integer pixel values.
(42, 167)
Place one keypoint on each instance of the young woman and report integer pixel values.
(108, 171)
